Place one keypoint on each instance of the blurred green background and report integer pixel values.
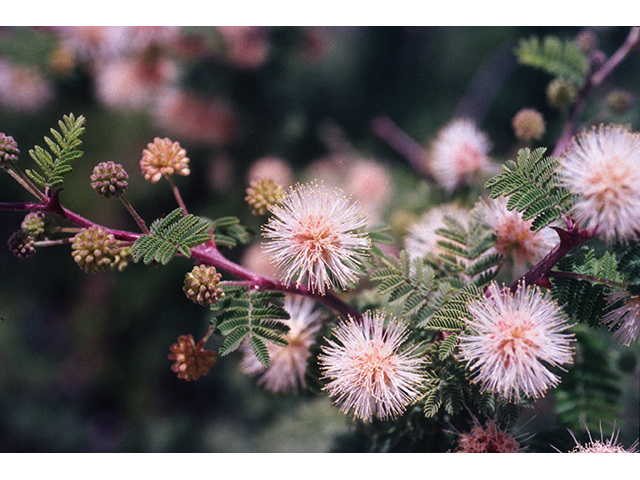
(83, 357)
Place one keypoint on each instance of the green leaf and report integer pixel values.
(260, 350)
(64, 148)
(531, 186)
(560, 58)
(175, 232)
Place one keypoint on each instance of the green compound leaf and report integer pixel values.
(249, 315)
(585, 299)
(175, 232)
(63, 152)
(532, 188)
(560, 58)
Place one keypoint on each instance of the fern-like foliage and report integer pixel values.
(629, 266)
(532, 187)
(560, 58)
(63, 151)
(228, 232)
(254, 316)
(584, 298)
(591, 389)
(170, 234)
(465, 250)
(446, 385)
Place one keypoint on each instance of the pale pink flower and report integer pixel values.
(459, 155)
(24, 89)
(246, 46)
(163, 157)
(487, 438)
(602, 167)
(422, 239)
(625, 319)
(514, 237)
(194, 117)
(370, 374)
(132, 83)
(313, 237)
(370, 182)
(602, 446)
(271, 167)
(513, 336)
(288, 363)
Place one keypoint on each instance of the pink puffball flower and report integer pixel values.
(369, 374)
(288, 363)
(513, 336)
(514, 237)
(313, 237)
(422, 239)
(459, 155)
(602, 168)
(625, 319)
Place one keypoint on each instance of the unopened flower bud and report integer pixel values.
(109, 179)
(163, 157)
(587, 40)
(263, 193)
(561, 93)
(528, 124)
(619, 101)
(201, 285)
(37, 224)
(191, 360)
(21, 244)
(8, 150)
(95, 249)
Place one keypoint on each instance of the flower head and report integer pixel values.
(95, 249)
(459, 155)
(601, 446)
(512, 335)
(602, 167)
(191, 360)
(528, 124)
(313, 237)
(163, 157)
(422, 239)
(8, 150)
(109, 179)
(487, 438)
(288, 363)
(22, 243)
(369, 374)
(38, 224)
(262, 193)
(514, 237)
(625, 319)
(201, 285)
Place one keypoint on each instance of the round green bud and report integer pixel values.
(8, 150)
(109, 179)
(201, 285)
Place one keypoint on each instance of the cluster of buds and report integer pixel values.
(8, 150)
(487, 439)
(163, 157)
(262, 194)
(201, 285)
(109, 179)
(37, 224)
(34, 227)
(562, 93)
(96, 249)
(528, 124)
(191, 360)
(22, 244)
